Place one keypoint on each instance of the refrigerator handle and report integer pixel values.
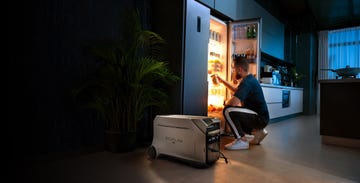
(198, 24)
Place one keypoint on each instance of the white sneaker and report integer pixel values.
(259, 135)
(237, 144)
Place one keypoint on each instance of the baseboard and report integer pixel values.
(340, 141)
(274, 120)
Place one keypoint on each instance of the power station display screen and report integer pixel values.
(208, 121)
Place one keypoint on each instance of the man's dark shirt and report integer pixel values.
(251, 95)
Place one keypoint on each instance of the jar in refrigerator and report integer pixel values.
(235, 32)
(252, 53)
(242, 32)
(217, 36)
(248, 53)
(212, 35)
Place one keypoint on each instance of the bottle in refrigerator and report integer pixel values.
(248, 32)
(253, 32)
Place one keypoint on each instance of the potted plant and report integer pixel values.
(295, 77)
(129, 79)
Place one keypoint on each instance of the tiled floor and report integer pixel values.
(292, 152)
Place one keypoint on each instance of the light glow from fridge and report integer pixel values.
(217, 64)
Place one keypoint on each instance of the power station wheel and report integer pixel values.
(151, 151)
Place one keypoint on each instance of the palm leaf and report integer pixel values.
(130, 78)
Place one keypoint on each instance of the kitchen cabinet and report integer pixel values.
(283, 101)
(296, 101)
(209, 3)
(228, 8)
(284, 68)
(306, 64)
(272, 95)
(339, 106)
(273, 98)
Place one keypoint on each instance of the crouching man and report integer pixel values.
(246, 111)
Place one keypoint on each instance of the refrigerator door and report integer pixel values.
(195, 59)
(245, 41)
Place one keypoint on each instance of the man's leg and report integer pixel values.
(244, 121)
(239, 120)
(233, 116)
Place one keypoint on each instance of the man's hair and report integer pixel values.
(241, 62)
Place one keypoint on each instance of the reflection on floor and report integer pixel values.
(292, 152)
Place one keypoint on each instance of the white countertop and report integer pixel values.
(279, 86)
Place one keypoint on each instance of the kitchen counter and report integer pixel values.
(282, 101)
(339, 108)
(280, 86)
(349, 80)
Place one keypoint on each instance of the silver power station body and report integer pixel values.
(195, 139)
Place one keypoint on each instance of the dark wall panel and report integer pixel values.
(47, 58)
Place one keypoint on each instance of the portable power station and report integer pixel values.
(195, 139)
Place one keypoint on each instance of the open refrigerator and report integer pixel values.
(226, 41)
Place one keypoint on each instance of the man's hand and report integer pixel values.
(219, 78)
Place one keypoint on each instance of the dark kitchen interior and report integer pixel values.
(309, 16)
(49, 133)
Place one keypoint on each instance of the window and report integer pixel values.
(337, 49)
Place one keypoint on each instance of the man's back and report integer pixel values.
(251, 94)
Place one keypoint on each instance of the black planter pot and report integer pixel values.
(119, 142)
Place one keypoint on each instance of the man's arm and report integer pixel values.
(227, 84)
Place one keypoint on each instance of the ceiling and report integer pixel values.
(313, 15)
